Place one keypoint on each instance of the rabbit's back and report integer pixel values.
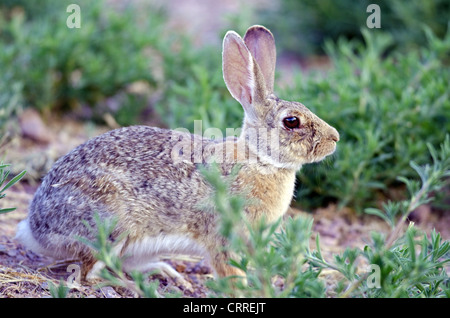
(128, 173)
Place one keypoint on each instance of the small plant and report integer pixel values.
(405, 265)
(58, 291)
(274, 262)
(4, 173)
(112, 273)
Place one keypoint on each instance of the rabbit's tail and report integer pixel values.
(25, 236)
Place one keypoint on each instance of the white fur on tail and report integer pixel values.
(26, 238)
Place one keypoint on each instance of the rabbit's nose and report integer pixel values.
(335, 138)
(334, 135)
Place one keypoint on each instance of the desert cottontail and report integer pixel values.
(149, 179)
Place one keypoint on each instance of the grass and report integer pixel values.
(54, 68)
(387, 109)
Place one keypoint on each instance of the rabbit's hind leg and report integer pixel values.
(143, 254)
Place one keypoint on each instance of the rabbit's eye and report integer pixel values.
(291, 122)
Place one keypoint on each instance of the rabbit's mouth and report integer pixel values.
(321, 149)
(324, 145)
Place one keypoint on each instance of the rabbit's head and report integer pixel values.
(281, 133)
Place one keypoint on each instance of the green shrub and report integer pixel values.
(386, 111)
(195, 90)
(55, 68)
(10, 101)
(306, 25)
(410, 264)
(32, 9)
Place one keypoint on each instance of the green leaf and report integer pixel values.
(7, 210)
(59, 291)
(13, 181)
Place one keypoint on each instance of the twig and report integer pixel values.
(411, 207)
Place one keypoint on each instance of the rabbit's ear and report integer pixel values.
(242, 74)
(261, 45)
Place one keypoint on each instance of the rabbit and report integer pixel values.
(150, 180)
